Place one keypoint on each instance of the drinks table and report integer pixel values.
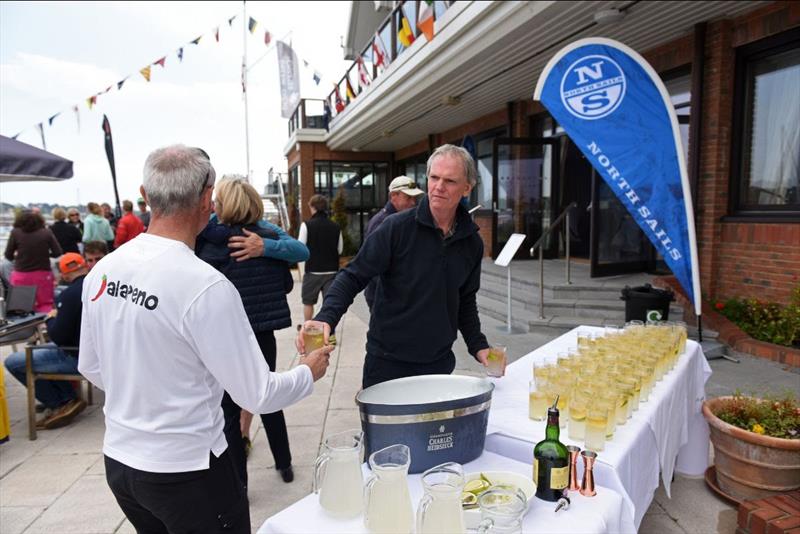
(599, 514)
(666, 434)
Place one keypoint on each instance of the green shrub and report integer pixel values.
(775, 416)
(766, 321)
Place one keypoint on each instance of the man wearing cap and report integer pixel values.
(64, 328)
(428, 260)
(403, 194)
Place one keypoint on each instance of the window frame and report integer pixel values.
(745, 55)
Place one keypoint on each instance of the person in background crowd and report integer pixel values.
(403, 194)
(61, 403)
(94, 251)
(434, 249)
(143, 214)
(263, 284)
(96, 227)
(30, 246)
(68, 235)
(324, 240)
(129, 225)
(108, 213)
(74, 218)
(164, 361)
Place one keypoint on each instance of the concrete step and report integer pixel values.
(609, 308)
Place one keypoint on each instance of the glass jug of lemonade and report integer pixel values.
(337, 474)
(386, 498)
(440, 510)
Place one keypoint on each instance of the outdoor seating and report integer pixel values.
(31, 378)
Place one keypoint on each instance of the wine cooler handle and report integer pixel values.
(322, 459)
(421, 510)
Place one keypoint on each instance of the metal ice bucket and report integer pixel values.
(441, 418)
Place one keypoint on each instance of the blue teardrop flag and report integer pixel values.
(615, 108)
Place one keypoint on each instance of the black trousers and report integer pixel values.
(377, 369)
(274, 423)
(212, 500)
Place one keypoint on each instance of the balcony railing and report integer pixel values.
(351, 85)
(309, 113)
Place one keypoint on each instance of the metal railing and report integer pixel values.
(302, 119)
(540, 243)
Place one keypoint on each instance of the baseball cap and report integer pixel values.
(405, 185)
(140, 201)
(71, 261)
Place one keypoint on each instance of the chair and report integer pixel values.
(31, 377)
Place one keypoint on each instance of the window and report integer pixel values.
(766, 151)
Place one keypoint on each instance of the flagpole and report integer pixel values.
(244, 87)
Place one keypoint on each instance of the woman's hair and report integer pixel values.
(237, 201)
(59, 214)
(94, 207)
(29, 221)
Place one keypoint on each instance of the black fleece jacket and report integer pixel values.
(427, 287)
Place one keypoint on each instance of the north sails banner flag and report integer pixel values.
(615, 108)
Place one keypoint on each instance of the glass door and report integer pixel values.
(524, 188)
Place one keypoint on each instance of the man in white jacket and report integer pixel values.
(163, 334)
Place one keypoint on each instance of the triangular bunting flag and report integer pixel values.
(363, 75)
(267, 38)
(351, 95)
(251, 24)
(339, 104)
(404, 33)
(91, 101)
(230, 20)
(425, 19)
(15, 135)
(216, 33)
(161, 61)
(107, 89)
(379, 52)
(121, 82)
(146, 72)
(180, 54)
(305, 63)
(317, 77)
(51, 119)
(77, 116)
(196, 41)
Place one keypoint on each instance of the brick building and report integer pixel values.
(731, 68)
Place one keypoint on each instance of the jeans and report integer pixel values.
(48, 359)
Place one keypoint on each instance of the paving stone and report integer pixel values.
(346, 384)
(341, 420)
(69, 512)
(269, 494)
(695, 508)
(83, 435)
(125, 528)
(660, 524)
(15, 519)
(40, 480)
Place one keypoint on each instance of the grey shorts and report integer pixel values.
(313, 284)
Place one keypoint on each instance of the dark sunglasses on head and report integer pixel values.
(208, 182)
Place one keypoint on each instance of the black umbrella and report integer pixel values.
(25, 163)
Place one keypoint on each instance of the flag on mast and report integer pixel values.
(425, 19)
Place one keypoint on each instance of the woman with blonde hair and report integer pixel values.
(263, 284)
(68, 236)
(96, 227)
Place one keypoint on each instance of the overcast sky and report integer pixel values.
(54, 55)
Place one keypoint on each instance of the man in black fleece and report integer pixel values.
(429, 263)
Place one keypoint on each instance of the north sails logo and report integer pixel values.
(126, 292)
(593, 87)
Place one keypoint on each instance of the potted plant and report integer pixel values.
(756, 444)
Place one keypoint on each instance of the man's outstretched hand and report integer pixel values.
(245, 247)
(318, 361)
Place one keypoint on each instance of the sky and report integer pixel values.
(54, 55)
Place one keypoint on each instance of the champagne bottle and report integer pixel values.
(551, 461)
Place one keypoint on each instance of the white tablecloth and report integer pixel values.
(599, 514)
(666, 431)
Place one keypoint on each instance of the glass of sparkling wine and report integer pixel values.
(537, 400)
(577, 417)
(497, 355)
(440, 509)
(596, 422)
(337, 474)
(313, 338)
(386, 497)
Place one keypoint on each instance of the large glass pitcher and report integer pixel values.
(386, 498)
(439, 511)
(502, 511)
(337, 474)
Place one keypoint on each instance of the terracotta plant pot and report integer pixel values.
(750, 465)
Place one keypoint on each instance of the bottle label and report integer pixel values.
(559, 477)
(536, 472)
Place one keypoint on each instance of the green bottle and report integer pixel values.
(551, 461)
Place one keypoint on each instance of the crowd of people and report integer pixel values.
(174, 312)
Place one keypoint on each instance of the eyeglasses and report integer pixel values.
(210, 175)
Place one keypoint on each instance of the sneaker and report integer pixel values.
(247, 446)
(64, 415)
(287, 474)
(46, 414)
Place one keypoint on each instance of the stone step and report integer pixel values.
(561, 290)
(609, 308)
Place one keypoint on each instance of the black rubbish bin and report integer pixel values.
(646, 303)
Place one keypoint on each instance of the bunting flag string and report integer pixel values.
(146, 72)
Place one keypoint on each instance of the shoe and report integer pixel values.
(47, 414)
(247, 446)
(287, 474)
(64, 415)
